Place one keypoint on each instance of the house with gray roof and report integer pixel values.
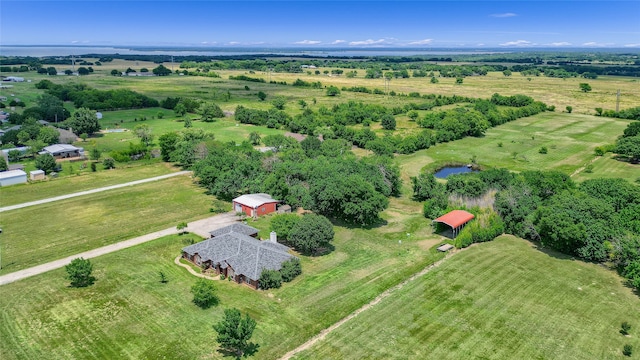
(237, 255)
(237, 228)
(60, 151)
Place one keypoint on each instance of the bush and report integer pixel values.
(270, 279)
(290, 269)
(543, 150)
(109, 163)
(624, 328)
(204, 294)
(46, 162)
(627, 350)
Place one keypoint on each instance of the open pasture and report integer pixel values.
(128, 313)
(569, 138)
(42, 233)
(499, 300)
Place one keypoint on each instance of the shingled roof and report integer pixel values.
(235, 227)
(246, 255)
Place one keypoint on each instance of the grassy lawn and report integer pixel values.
(569, 138)
(42, 233)
(18, 194)
(128, 313)
(498, 300)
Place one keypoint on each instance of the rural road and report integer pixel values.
(92, 191)
(199, 227)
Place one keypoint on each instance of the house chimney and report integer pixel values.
(273, 237)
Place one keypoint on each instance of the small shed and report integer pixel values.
(12, 177)
(36, 175)
(456, 219)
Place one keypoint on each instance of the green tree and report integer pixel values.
(181, 227)
(262, 95)
(161, 70)
(585, 87)
(83, 71)
(109, 163)
(506, 72)
(302, 103)
(569, 109)
(48, 135)
(254, 138)
(52, 71)
(270, 279)
(180, 109)
(95, 153)
(413, 115)
(115, 72)
(388, 122)
(3, 164)
(282, 224)
(143, 132)
(459, 81)
(46, 163)
(209, 112)
(279, 102)
(434, 80)
(83, 120)
(168, 142)
(630, 147)
(235, 331)
(204, 293)
(311, 233)
(79, 272)
(187, 122)
(333, 91)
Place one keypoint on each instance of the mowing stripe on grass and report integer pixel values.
(93, 191)
(368, 306)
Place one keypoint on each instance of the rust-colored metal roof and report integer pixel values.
(455, 218)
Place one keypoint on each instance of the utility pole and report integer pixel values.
(618, 101)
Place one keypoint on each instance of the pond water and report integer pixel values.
(446, 171)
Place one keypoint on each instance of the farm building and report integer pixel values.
(255, 205)
(13, 79)
(61, 151)
(12, 177)
(456, 219)
(238, 256)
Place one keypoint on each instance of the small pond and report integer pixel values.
(449, 170)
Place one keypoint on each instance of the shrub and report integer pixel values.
(270, 279)
(109, 163)
(543, 150)
(627, 350)
(290, 269)
(204, 294)
(624, 328)
(79, 272)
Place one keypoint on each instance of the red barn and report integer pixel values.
(255, 205)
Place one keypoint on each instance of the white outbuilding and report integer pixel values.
(12, 177)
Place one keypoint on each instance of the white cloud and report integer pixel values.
(338, 42)
(308, 42)
(504, 15)
(596, 44)
(632, 45)
(233, 43)
(421, 42)
(75, 41)
(209, 42)
(518, 43)
(368, 42)
(480, 44)
(561, 43)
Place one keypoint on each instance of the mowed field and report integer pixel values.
(499, 300)
(129, 314)
(38, 234)
(569, 138)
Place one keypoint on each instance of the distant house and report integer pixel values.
(61, 151)
(255, 205)
(238, 256)
(3, 98)
(13, 79)
(12, 177)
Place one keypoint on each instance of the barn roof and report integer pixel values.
(12, 174)
(254, 200)
(455, 218)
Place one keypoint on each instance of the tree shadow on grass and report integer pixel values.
(349, 225)
(251, 350)
(552, 253)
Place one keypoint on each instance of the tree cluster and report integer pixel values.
(83, 96)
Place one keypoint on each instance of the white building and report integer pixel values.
(12, 177)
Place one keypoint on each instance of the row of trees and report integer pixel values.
(83, 96)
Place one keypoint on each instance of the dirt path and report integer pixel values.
(579, 170)
(307, 345)
(92, 191)
(193, 272)
(197, 227)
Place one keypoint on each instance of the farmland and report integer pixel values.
(504, 299)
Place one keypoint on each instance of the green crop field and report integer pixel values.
(42, 233)
(128, 313)
(499, 300)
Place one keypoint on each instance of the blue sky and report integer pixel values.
(429, 24)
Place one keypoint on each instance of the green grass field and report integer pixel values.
(128, 313)
(42, 233)
(569, 138)
(498, 300)
(69, 184)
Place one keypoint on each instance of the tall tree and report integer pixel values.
(311, 233)
(83, 120)
(235, 331)
(79, 272)
(143, 132)
(210, 112)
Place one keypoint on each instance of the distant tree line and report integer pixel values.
(83, 96)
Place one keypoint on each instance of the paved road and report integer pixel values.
(200, 227)
(93, 191)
